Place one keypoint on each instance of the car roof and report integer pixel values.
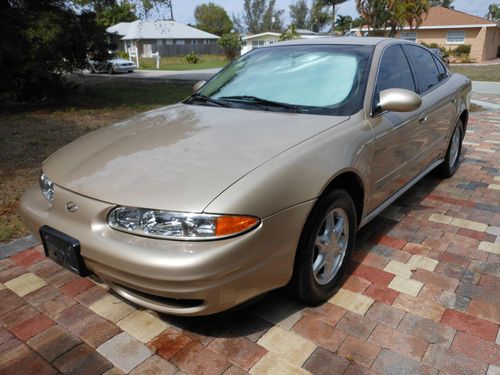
(346, 40)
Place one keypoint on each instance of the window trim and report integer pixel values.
(413, 74)
(409, 32)
(423, 93)
(455, 42)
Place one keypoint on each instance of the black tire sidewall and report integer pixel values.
(448, 171)
(308, 290)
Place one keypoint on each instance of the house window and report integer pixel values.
(412, 36)
(455, 37)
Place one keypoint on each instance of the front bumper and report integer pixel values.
(174, 277)
(124, 69)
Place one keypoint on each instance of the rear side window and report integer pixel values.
(394, 71)
(441, 69)
(426, 69)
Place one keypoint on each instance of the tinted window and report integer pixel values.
(427, 72)
(441, 69)
(394, 71)
(322, 79)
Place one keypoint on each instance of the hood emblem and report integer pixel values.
(71, 207)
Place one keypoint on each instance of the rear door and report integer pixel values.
(437, 99)
(399, 138)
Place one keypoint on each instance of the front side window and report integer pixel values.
(426, 69)
(394, 71)
(411, 36)
(455, 37)
(325, 79)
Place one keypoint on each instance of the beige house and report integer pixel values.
(450, 28)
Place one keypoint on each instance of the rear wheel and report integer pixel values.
(324, 248)
(451, 161)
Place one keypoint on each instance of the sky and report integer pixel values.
(184, 9)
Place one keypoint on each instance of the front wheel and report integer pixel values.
(451, 161)
(324, 247)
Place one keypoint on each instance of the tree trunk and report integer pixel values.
(333, 22)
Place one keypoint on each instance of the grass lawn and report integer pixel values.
(180, 63)
(29, 135)
(478, 73)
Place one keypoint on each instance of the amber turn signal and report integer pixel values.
(228, 225)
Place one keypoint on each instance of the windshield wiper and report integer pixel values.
(206, 99)
(256, 100)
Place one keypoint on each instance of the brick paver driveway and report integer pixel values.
(423, 296)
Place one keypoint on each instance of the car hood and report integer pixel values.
(179, 157)
(120, 61)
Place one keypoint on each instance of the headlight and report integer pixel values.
(178, 225)
(47, 187)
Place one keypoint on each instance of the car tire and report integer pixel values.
(452, 158)
(110, 69)
(328, 238)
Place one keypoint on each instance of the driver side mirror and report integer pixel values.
(198, 85)
(399, 100)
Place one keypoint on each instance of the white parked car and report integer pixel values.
(113, 65)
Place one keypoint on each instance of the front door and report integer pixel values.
(399, 137)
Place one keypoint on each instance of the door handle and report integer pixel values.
(453, 101)
(423, 117)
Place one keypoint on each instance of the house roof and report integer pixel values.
(302, 32)
(268, 33)
(439, 16)
(158, 30)
(444, 18)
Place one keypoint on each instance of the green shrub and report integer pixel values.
(231, 44)
(191, 58)
(465, 58)
(464, 49)
(444, 51)
(122, 55)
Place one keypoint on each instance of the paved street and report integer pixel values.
(422, 297)
(183, 75)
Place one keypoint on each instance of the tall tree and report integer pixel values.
(343, 24)
(212, 18)
(333, 4)
(392, 14)
(299, 12)
(493, 12)
(260, 16)
(318, 17)
(441, 3)
(163, 8)
(108, 12)
(43, 40)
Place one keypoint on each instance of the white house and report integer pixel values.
(149, 37)
(258, 40)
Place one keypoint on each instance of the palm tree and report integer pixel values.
(333, 4)
(379, 14)
(343, 23)
(493, 12)
(290, 34)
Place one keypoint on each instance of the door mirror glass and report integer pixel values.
(399, 100)
(198, 85)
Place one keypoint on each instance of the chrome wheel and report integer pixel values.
(454, 147)
(330, 246)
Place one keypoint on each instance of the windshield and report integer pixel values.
(325, 79)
